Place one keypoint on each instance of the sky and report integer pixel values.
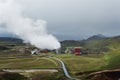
(74, 19)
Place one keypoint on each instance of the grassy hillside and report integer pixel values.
(113, 57)
(95, 45)
(102, 42)
(81, 66)
(9, 40)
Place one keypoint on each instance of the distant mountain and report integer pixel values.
(10, 40)
(6, 35)
(96, 37)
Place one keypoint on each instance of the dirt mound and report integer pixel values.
(11, 76)
(105, 75)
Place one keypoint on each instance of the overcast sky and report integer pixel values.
(75, 19)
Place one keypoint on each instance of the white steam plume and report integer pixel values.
(30, 31)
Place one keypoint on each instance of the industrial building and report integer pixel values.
(73, 50)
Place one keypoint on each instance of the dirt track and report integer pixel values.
(30, 70)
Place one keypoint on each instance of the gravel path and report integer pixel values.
(30, 70)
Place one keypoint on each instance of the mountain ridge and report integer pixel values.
(96, 37)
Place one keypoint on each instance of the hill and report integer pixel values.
(96, 37)
(102, 43)
(95, 45)
(10, 45)
(10, 40)
(70, 43)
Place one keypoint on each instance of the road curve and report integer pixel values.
(64, 69)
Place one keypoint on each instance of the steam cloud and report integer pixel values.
(34, 32)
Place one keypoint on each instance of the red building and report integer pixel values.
(44, 51)
(77, 51)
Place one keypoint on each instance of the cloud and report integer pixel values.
(76, 17)
(32, 31)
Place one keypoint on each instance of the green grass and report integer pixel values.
(75, 64)
(82, 63)
(91, 62)
(113, 59)
(26, 62)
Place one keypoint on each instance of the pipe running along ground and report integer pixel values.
(64, 69)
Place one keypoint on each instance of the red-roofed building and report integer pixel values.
(77, 50)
